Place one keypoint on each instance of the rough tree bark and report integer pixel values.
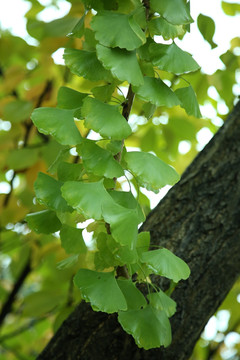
(199, 220)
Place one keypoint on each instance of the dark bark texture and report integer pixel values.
(199, 220)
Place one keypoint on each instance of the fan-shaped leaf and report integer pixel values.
(117, 30)
(57, 122)
(123, 223)
(105, 119)
(127, 200)
(48, 192)
(159, 26)
(188, 100)
(101, 290)
(163, 262)
(206, 27)
(67, 171)
(82, 197)
(151, 172)
(123, 64)
(159, 300)
(174, 11)
(156, 92)
(149, 327)
(134, 298)
(43, 222)
(171, 58)
(85, 63)
(69, 99)
(99, 161)
(72, 240)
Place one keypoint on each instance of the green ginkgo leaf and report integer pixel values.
(188, 100)
(174, 11)
(206, 27)
(159, 26)
(123, 223)
(127, 200)
(72, 240)
(163, 262)
(117, 30)
(150, 171)
(171, 58)
(85, 63)
(17, 111)
(149, 327)
(82, 197)
(101, 290)
(48, 192)
(57, 122)
(159, 300)
(99, 161)
(19, 159)
(103, 93)
(67, 171)
(134, 298)
(123, 64)
(105, 119)
(69, 99)
(156, 92)
(43, 222)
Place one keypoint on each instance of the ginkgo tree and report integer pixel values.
(121, 52)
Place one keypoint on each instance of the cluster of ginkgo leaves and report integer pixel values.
(118, 50)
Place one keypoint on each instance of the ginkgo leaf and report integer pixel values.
(206, 27)
(163, 262)
(43, 222)
(117, 30)
(103, 93)
(159, 300)
(85, 63)
(69, 99)
(159, 26)
(150, 171)
(123, 64)
(72, 240)
(123, 223)
(82, 197)
(57, 122)
(127, 200)
(171, 58)
(105, 119)
(188, 100)
(134, 298)
(149, 327)
(99, 161)
(101, 290)
(48, 192)
(67, 171)
(174, 11)
(156, 92)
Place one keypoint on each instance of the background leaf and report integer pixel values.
(206, 26)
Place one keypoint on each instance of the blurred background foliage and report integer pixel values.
(36, 289)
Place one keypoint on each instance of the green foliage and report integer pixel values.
(105, 54)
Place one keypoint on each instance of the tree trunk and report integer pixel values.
(199, 220)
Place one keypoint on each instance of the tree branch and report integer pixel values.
(7, 307)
